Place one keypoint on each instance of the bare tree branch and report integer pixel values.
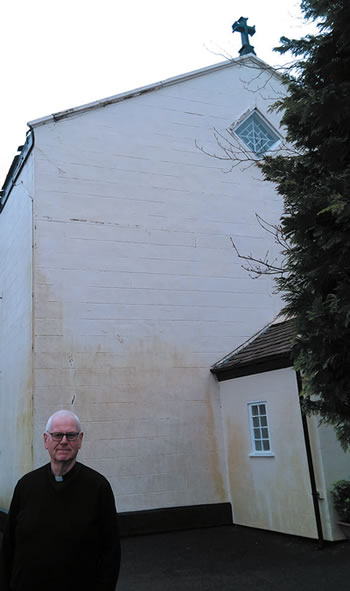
(263, 265)
(232, 150)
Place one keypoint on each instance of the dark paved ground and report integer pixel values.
(232, 559)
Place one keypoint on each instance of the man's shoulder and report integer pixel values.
(33, 476)
(95, 486)
(90, 474)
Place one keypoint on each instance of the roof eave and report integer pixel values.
(54, 117)
(15, 168)
(262, 365)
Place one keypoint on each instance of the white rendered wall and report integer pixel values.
(331, 464)
(268, 492)
(16, 433)
(137, 288)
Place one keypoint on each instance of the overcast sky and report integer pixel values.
(58, 55)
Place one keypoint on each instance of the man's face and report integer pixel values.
(64, 450)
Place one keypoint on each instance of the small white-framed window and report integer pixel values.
(257, 133)
(259, 428)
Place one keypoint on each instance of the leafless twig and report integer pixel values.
(264, 265)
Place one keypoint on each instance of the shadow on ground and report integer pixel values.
(232, 558)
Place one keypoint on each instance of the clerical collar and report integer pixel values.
(64, 476)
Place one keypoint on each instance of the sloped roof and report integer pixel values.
(24, 151)
(153, 87)
(270, 349)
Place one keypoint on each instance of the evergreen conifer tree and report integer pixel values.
(315, 185)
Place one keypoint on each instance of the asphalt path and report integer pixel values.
(232, 558)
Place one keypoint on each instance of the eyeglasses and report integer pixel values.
(69, 436)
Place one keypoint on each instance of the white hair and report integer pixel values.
(62, 413)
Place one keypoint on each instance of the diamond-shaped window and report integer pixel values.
(256, 133)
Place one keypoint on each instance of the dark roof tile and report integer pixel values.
(272, 343)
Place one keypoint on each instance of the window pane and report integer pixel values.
(256, 133)
(260, 434)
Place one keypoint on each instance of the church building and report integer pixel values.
(120, 287)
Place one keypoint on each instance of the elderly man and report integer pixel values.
(62, 525)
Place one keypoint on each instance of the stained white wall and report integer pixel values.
(268, 492)
(16, 433)
(137, 288)
(331, 464)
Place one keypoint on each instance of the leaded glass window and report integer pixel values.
(259, 428)
(256, 133)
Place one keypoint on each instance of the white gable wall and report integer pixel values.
(137, 288)
(268, 492)
(16, 419)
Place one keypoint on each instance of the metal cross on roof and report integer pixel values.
(242, 28)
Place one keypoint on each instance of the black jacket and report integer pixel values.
(61, 534)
